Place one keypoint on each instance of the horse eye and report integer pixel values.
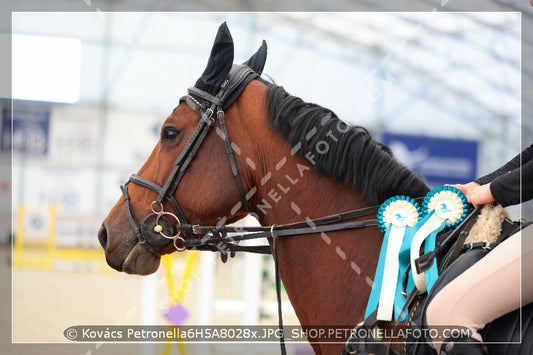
(170, 134)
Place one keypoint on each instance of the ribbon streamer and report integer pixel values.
(395, 216)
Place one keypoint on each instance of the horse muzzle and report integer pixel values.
(131, 257)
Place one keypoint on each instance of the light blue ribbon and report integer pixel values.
(373, 301)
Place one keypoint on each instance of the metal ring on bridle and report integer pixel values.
(161, 212)
(180, 249)
(159, 215)
(175, 237)
(157, 204)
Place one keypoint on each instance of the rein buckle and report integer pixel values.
(194, 230)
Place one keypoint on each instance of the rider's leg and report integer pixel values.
(488, 289)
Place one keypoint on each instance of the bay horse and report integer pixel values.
(279, 158)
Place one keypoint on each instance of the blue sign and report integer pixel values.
(31, 124)
(439, 160)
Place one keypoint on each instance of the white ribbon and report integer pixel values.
(390, 274)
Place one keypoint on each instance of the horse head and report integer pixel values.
(191, 176)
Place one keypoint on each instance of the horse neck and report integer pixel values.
(286, 187)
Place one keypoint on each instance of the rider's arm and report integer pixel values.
(508, 185)
(525, 156)
(511, 188)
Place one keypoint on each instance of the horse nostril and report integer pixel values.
(102, 236)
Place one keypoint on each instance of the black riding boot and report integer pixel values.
(462, 346)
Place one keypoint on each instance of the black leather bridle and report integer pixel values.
(161, 227)
(158, 229)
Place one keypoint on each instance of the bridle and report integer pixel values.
(161, 227)
(157, 228)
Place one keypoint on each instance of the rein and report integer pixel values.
(225, 238)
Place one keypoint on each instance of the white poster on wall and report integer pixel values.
(73, 190)
(74, 135)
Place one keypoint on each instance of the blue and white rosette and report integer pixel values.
(444, 207)
(395, 216)
(449, 203)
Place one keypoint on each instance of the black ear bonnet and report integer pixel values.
(220, 62)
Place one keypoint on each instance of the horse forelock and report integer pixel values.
(341, 151)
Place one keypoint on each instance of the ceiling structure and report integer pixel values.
(444, 63)
(488, 84)
(484, 89)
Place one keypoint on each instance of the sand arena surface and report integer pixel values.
(46, 302)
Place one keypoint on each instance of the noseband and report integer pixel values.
(160, 227)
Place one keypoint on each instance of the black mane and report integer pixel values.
(346, 153)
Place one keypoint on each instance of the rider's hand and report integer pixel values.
(476, 194)
(466, 188)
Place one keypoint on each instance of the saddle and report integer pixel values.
(509, 334)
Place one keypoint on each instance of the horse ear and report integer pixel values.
(257, 61)
(219, 63)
